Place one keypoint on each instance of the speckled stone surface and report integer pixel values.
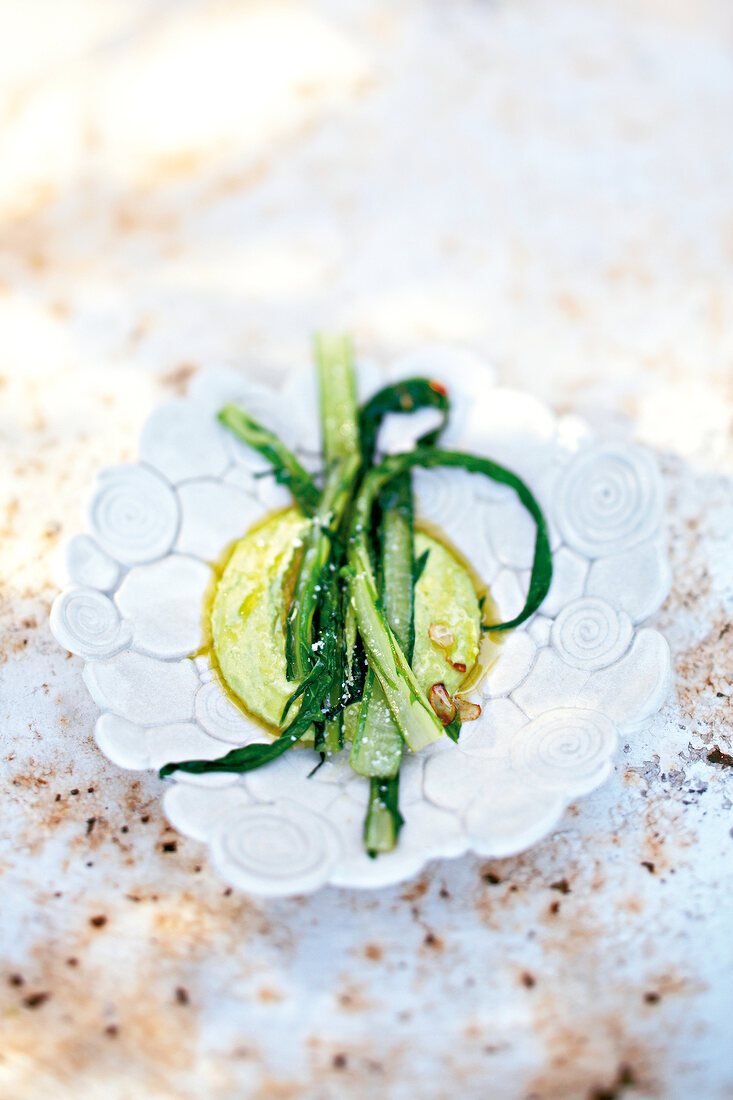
(549, 184)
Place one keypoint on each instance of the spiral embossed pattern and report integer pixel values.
(134, 514)
(276, 849)
(87, 623)
(442, 496)
(566, 749)
(607, 500)
(589, 633)
(221, 718)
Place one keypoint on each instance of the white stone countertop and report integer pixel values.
(550, 183)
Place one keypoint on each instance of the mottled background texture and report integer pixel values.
(549, 182)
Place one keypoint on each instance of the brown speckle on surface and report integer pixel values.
(35, 1000)
(625, 1079)
(269, 996)
(561, 886)
(416, 890)
(340, 1061)
(16, 979)
(98, 921)
(528, 980)
(717, 756)
(178, 378)
(649, 865)
(182, 997)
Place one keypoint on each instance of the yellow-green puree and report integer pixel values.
(248, 617)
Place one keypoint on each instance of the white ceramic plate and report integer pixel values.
(581, 670)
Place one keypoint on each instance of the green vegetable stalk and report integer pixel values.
(377, 748)
(343, 460)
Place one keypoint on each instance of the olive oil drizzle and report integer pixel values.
(207, 648)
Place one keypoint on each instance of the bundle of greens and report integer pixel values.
(350, 618)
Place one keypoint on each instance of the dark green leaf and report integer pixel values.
(285, 466)
(428, 457)
(402, 397)
(419, 567)
(453, 729)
